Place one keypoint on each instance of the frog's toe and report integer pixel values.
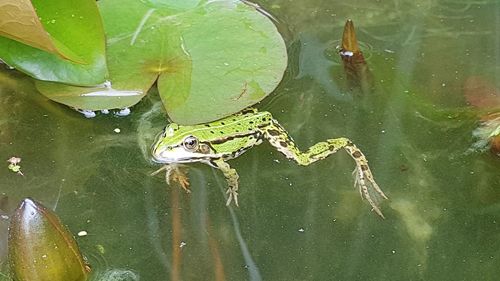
(366, 185)
(233, 194)
(236, 199)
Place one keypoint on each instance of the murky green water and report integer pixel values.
(293, 223)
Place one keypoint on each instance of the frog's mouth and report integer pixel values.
(185, 160)
(178, 155)
(172, 160)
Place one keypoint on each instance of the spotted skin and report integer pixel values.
(215, 143)
(278, 137)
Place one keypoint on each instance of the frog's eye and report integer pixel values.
(190, 143)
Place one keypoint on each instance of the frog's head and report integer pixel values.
(179, 144)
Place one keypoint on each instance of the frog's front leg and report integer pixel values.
(364, 180)
(231, 177)
(174, 173)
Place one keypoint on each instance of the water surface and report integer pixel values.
(294, 223)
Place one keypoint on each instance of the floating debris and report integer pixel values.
(14, 160)
(14, 165)
(100, 248)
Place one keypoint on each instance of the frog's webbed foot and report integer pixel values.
(364, 181)
(232, 180)
(175, 173)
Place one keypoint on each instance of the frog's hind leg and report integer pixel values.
(231, 177)
(364, 180)
(363, 177)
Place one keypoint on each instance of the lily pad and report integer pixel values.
(19, 21)
(211, 59)
(65, 40)
(90, 98)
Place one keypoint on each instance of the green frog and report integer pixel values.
(216, 142)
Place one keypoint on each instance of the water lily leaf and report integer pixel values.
(65, 40)
(90, 98)
(228, 57)
(211, 58)
(220, 53)
(41, 248)
(173, 4)
(19, 21)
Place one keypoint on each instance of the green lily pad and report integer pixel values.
(90, 98)
(210, 58)
(66, 40)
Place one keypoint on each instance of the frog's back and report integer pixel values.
(247, 122)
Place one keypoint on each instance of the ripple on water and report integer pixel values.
(118, 275)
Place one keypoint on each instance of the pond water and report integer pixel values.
(294, 223)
